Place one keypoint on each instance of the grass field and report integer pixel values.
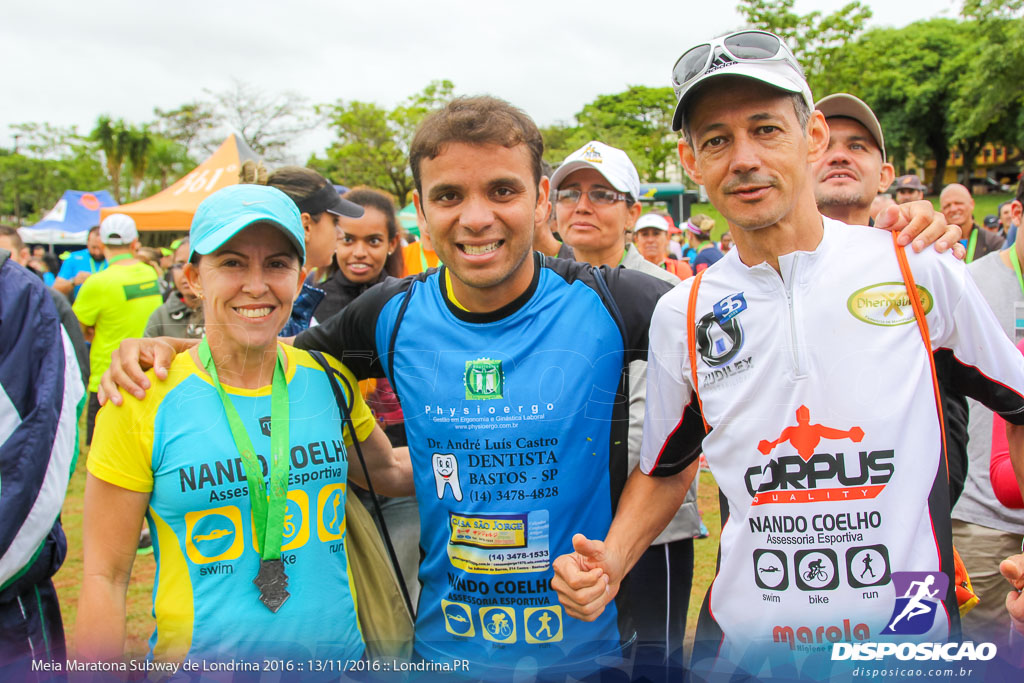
(139, 609)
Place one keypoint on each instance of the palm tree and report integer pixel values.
(168, 160)
(139, 144)
(114, 139)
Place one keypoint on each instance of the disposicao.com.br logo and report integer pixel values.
(918, 596)
(921, 652)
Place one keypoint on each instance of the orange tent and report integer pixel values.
(172, 209)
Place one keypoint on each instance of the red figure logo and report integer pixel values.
(805, 437)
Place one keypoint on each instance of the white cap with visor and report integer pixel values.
(759, 55)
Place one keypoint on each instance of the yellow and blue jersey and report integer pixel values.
(176, 445)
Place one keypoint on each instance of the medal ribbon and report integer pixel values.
(971, 245)
(267, 511)
(1015, 260)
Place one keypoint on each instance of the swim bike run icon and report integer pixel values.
(810, 476)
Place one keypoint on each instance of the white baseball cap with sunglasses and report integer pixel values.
(752, 54)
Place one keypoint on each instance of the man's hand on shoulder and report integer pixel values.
(920, 223)
(129, 362)
(587, 579)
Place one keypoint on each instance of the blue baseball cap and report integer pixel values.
(232, 209)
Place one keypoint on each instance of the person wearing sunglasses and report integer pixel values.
(811, 396)
(596, 190)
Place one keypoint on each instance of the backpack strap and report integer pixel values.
(691, 342)
(926, 338)
(346, 416)
(421, 277)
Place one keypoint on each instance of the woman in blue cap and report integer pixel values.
(239, 465)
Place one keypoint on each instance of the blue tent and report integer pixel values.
(69, 221)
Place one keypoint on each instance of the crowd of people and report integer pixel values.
(528, 390)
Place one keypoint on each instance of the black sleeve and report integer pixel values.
(684, 444)
(74, 330)
(955, 415)
(350, 334)
(636, 294)
(969, 381)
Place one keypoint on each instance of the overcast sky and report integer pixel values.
(68, 62)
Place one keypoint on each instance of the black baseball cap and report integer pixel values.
(328, 199)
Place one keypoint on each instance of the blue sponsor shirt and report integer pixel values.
(516, 421)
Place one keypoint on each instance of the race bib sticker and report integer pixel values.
(729, 307)
(499, 544)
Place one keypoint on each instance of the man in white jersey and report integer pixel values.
(810, 370)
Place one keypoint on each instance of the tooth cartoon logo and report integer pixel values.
(446, 474)
(805, 437)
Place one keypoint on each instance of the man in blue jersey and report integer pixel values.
(80, 265)
(512, 369)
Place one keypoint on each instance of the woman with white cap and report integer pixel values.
(238, 463)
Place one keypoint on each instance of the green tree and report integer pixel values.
(114, 140)
(139, 145)
(190, 125)
(32, 182)
(815, 38)
(637, 120)
(168, 161)
(909, 77)
(372, 145)
(989, 99)
(561, 140)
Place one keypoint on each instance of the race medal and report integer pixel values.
(268, 502)
(273, 584)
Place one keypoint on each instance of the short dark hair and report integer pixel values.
(480, 120)
(1020, 190)
(93, 229)
(12, 232)
(368, 197)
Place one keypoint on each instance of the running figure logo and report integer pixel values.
(867, 567)
(918, 595)
(805, 436)
(543, 624)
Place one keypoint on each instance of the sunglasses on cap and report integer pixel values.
(742, 46)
